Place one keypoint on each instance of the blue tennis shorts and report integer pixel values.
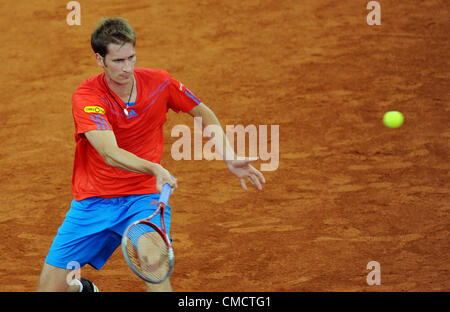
(93, 228)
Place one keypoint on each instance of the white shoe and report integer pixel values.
(88, 286)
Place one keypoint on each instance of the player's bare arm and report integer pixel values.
(104, 142)
(240, 168)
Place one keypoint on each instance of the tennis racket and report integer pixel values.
(147, 248)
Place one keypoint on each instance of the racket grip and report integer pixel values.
(165, 193)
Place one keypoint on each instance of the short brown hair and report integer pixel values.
(111, 30)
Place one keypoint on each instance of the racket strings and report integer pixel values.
(148, 252)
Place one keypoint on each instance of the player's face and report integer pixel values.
(119, 62)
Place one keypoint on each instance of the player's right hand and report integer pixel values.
(163, 176)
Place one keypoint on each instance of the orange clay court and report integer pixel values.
(348, 190)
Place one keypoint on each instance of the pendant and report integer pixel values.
(125, 111)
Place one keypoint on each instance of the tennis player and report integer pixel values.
(117, 174)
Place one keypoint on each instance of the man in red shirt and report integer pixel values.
(119, 117)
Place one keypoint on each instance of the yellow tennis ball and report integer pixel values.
(393, 119)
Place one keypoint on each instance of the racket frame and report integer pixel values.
(162, 232)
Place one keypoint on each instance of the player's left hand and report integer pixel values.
(244, 170)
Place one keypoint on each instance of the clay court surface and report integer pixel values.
(347, 190)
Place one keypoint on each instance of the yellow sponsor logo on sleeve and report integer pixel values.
(94, 109)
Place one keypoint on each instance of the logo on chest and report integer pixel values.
(132, 114)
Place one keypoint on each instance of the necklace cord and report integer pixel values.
(114, 98)
(132, 87)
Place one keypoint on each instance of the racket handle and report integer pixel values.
(165, 193)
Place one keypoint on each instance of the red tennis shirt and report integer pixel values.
(96, 107)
